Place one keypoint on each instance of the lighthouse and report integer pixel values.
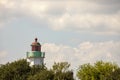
(35, 56)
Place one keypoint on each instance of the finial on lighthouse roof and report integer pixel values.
(35, 43)
(36, 39)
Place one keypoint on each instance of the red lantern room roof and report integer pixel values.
(35, 43)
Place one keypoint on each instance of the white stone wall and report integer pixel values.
(35, 61)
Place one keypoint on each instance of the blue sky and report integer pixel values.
(76, 31)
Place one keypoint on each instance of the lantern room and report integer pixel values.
(36, 45)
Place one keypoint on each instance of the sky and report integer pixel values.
(76, 31)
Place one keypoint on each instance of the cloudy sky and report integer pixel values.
(76, 31)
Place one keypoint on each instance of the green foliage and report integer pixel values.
(61, 67)
(99, 71)
(114, 75)
(59, 71)
(68, 75)
(20, 70)
(43, 75)
(14, 70)
(62, 72)
(36, 69)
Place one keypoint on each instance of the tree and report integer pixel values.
(36, 69)
(16, 70)
(61, 67)
(42, 75)
(59, 71)
(99, 71)
(19, 70)
(114, 75)
(62, 72)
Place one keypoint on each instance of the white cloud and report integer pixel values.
(3, 55)
(100, 24)
(86, 52)
(99, 17)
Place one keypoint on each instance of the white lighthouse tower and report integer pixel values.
(35, 56)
